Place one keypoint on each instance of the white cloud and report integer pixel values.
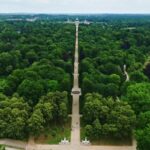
(76, 6)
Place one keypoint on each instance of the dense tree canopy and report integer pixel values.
(39, 59)
(107, 117)
(18, 121)
(109, 50)
(35, 70)
(36, 65)
(138, 96)
(14, 114)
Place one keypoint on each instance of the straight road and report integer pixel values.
(76, 92)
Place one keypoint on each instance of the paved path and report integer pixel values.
(81, 147)
(9, 148)
(23, 145)
(126, 73)
(31, 144)
(76, 92)
(13, 143)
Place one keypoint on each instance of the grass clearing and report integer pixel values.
(55, 134)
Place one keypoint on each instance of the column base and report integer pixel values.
(76, 91)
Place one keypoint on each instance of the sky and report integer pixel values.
(75, 6)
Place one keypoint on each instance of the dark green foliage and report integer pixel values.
(143, 119)
(104, 50)
(147, 70)
(39, 59)
(138, 76)
(31, 90)
(35, 62)
(107, 117)
(143, 138)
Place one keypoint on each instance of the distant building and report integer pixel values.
(77, 21)
(31, 19)
(86, 22)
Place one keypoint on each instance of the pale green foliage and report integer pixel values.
(138, 95)
(14, 113)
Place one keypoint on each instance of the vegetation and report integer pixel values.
(36, 76)
(106, 117)
(51, 109)
(2, 147)
(105, 49)
(55, 133)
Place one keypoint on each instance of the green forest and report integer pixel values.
(36, 66)
(35, 76)
(113, 105)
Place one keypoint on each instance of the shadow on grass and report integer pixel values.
(55, 133)
(106, 140)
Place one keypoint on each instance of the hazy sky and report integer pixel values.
(75, 6)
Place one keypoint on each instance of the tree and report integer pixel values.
(138, 76)
(6, 60)
(46, 109)
(86, 65)
(97, 129)
(114, 78)
(52, 85)
(36, 123)
(126, 44)
(139, 97)
(143, 138)
(59, 102)
(108, 118)
(91, 110)
(14, 113)
(3, 85)
(89, 131)
(111, 89)
(110, 68)
(31, 75)
(31, 90)
(31, 56)
(87, 85)
(66, 84)
(143, 119)
(147, 70)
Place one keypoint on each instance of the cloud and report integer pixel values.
(76, 6)
(40, 1)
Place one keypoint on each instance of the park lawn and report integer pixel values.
(104, 140)
(55, 134)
